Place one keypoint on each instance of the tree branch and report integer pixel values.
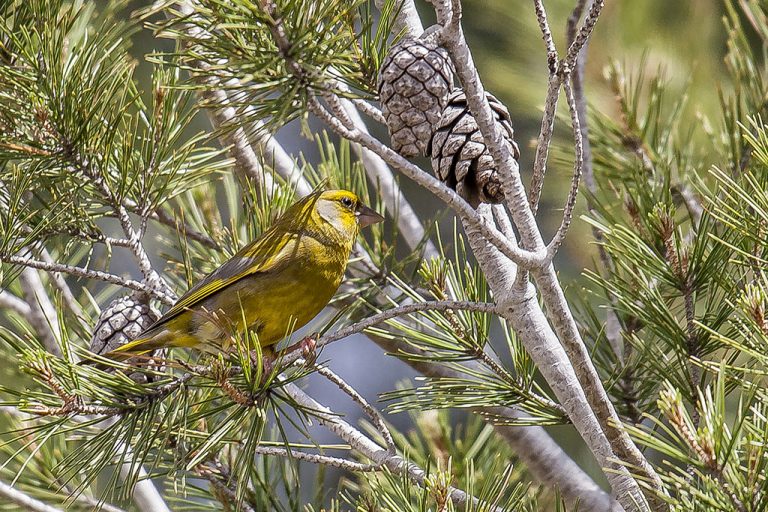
(540, 453)
(381, 175)
(546, 278)
(373, 414)
(360, 442)
(89, 274)
(25, 501)
(527, 319)
(383, 316)
(578, 163)
(11, 302)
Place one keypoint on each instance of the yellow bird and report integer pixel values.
(272, 286)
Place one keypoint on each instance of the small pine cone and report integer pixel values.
(122, 321)
(459, 155)
(414, 82)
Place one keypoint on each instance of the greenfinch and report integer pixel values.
(271, 287)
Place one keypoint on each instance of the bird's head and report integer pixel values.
(345, 211)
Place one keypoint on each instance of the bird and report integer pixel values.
(271, 287)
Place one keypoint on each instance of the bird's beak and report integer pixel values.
(366, 216)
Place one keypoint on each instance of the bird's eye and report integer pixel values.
(346, 202)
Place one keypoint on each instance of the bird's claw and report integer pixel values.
(266, 361)
(308, 347)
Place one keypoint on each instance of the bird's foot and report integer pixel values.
(267, 362)
(308, 347)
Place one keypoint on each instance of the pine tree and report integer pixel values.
(655, 357)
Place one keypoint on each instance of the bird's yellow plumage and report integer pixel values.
(272, 286)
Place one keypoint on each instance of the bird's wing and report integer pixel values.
(268, 254)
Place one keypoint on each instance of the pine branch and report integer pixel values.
(540, 453)
(97, 275)
(367, 447)
(22, 500)
(381, 175)
(373, 414)
(450, 197)
(545, 349)
(559, 312)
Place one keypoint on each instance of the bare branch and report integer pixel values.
(360, 442)
(585, 32)
(145, 494)
(373, 414)
(452, 37)
(578, 163)
(25, 501)
(541, 18)
(527, 319)
(369, 110)
(316, 458)
(407, 19)
(89, 274)
(545, 139)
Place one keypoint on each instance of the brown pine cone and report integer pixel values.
(414, 82)
(459, 155)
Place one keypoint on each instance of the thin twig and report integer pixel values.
(369, 110)
(367, 447)
(578, 163)
(545, 139)
(316, 458)
(89, 274)
(373, 414)
(584, 33)
(541, 18)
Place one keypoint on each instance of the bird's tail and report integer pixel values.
(137, 348)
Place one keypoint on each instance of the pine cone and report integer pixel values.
(414, 82)
(459, 155)
(122, 321)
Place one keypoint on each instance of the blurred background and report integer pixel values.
(685, 39)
